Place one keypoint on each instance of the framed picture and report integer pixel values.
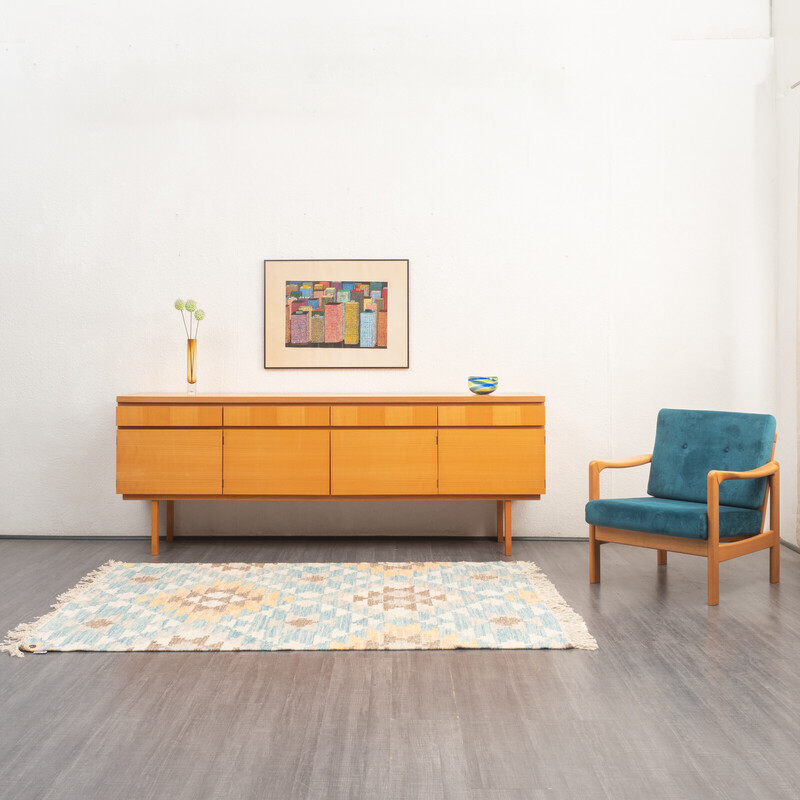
(335, 314)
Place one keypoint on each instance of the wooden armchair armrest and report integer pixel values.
(596, 467)
(770, 470)
(719, 475)
(636, 461)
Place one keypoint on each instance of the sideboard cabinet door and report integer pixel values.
(491, 461)
(276, 462)
(169, 461)
(369, 461)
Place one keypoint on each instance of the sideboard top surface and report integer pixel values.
(306, 399)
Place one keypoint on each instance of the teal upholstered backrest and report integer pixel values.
(691, 443)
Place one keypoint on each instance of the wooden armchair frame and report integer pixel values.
(714, 548)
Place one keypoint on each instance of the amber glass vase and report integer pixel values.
(191, 366)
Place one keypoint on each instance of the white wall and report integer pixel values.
(787, 51)
(591, 185)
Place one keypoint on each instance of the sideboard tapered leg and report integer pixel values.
(154, 527)
(499, 520)
(170, 519)
(508, 527)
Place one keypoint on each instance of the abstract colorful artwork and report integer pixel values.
(335, 314)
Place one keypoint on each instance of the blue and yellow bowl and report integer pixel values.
(482, 385)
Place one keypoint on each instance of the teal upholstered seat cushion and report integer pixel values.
(671, 517)
(691, 443)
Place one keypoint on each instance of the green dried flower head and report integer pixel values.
(191, 305)
(179, 304)
(199, 314)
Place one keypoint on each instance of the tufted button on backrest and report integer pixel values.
(722, 440)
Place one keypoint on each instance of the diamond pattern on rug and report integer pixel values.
(347, 606)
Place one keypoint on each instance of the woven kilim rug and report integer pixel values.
(359, 606)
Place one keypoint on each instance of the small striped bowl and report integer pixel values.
(481, 385)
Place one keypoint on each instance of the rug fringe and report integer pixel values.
(572, 622)
(22, 639)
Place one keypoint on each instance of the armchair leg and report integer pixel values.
(662, 557)
(594, 557)
(775, 525)
(713, 578)
(775, 560)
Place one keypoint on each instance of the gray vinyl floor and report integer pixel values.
(680, 701)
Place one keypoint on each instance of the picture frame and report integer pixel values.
(336, 314)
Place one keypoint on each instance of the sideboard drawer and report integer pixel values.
(277, 416)
(388, 416)
(383, 461)
(282, 462)
(169, 416)
(169, 461)
(495, 461)
(500, 414)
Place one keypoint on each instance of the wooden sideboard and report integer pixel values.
(330, 447)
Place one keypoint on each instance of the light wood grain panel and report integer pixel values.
(287, 416)
(457, 398)
(374, 416)
(276, 462)
(491, 461)
(483, 415)
(383, 462)
(152, 416)
(158, 461)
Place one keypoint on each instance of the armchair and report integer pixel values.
(712, 474)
